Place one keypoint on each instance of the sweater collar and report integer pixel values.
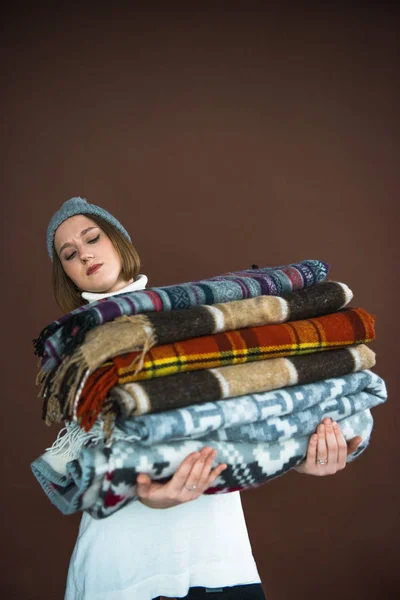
(139, 284)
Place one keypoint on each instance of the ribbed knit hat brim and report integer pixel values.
(78, 206)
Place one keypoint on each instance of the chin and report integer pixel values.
(102, 286)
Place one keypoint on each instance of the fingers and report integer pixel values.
(353, 444)
(214, 474)
(335, 444)
(195, 470)
(194, 477)
(327, 446)
(143, 483)
(322, 448)
(341, 445)
(181, 474)
(201, 468)
(200, 474)
(209, 475)
(318, 449)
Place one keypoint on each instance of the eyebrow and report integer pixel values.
(67, 244)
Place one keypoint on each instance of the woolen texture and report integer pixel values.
(266, 416)
(103, 479)
(345, 328)
(128, 333)
(210, 385)
(63, 335)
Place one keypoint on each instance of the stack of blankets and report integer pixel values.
(248, 363)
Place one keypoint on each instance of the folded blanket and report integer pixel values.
(66, 333)
(129, 333)
(103, 479)
(344, 328)
(268, 416)
(209, 385)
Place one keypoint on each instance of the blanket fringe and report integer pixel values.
(149, 342)
(68, 378)
(74, 399)
(52, 411)
(71, 439)
(75, 329)
(41, 373)
(40, 342)
(50, 407)
(62, 388)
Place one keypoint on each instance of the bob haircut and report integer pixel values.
(67, 294)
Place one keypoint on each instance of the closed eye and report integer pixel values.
(93, 241)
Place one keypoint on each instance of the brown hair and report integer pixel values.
(67, 294)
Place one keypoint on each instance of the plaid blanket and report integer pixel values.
(66, 333)
(103, 479)
(345, 328)
(129, 333)
(210, 385)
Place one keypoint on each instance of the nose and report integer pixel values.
(85, 256)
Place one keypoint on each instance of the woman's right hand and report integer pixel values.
(194, 470)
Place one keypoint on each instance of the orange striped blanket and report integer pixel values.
(337, 330)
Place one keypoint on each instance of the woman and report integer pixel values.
(199, 547)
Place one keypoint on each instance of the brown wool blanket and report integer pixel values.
(344, 328)
(143, 332)
(64, 335)
(210, 385)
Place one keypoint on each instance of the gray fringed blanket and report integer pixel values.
(103, 478)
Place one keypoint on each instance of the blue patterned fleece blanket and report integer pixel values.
(264, 437)
(269, 417)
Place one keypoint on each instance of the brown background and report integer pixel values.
(221, 135)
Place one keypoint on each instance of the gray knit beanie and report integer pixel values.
(78, 206)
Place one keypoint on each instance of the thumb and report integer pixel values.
(353, 444)
(143, 482)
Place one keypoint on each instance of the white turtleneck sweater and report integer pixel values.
(139, 553)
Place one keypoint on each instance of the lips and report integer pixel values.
(93, 268)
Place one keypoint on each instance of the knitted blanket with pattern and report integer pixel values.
(259, 417)
(63, 335)
(129, 333)
(258, 411)
(345, 328)
(103, 478)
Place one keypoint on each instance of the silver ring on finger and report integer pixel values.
(191, 488)
(322, 461)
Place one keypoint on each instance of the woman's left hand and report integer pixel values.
(328, 444)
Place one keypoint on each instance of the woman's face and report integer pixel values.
(81, 245)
